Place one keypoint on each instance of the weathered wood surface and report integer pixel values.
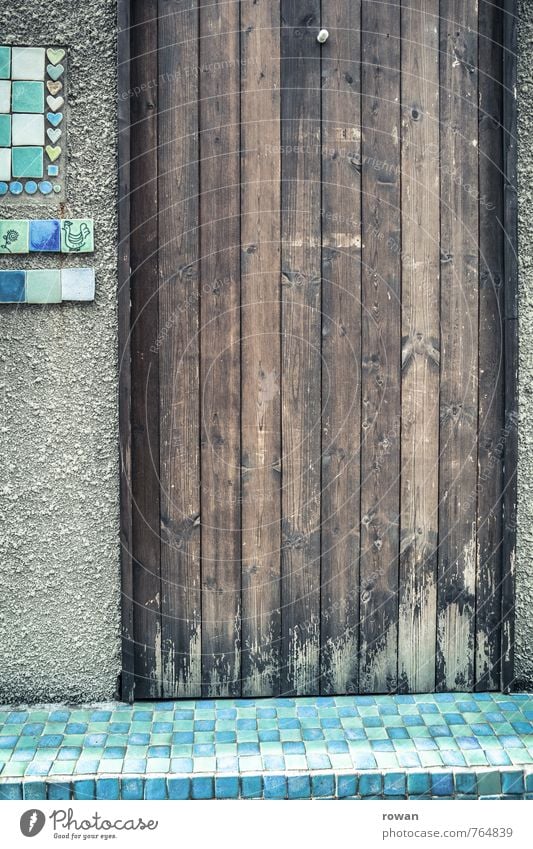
(220, 374)
(459, 346)
(341, 346)
(178, 347)
(260, 346)
(320, 431)
(420, 345)
(380, 358)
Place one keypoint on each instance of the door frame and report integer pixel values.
(510, 345)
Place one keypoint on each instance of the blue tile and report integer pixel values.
(181, 764)
(374, 722)
(512, 782)
(444, 697)
(509, 741)
(405, 700)
(95, 740)
(466, 783)
(337, 747)
(179, 788)
(394, 784)
(202, 787)
(425, 744)
(12, 791)
(248, 749)
(274, 762)
(439, 731)
(17, 717)
(322, 785)
(370, 785)
(275, 786)
(132, 788)
(307, 711)
(141, 716)
(330, 722)
(315, 760)
(55, 715)
(354, 734)
(164, 751)
(489, 783)
(252, 786)
(299, 787)
(363, 760)
(204, 725)
(227, 736)
(287, 723)
(388, 710)
(452, 757)
(69, 753)
(8, 742)
(467, 743)
(348, 711)
(442, 784)
(498, 757)
(495, 716)
(76, 728)
(59, 790)
(245, 725)
(227, 763)
(427, 708)
(181, 715)
(34, 790)
(101, 716)
(227, 787)
(529, 782)
(114, 752)
(38, 768)
(116, 728)
(346, 786)
(454, 718)
(312, 734)
(32, 729)
(408, 759)
(12, 287)
(410, 721)
(481, 729)
(155, 788)
(107, 788)
(50, 741)
(84, 789)
(418, 783)
(382, 746)
(397, 733)
(266, 713)
(228, 713)
(162, 727)
(293, 747)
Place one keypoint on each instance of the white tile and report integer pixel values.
(27, 129)
(77, 284)
(5, 164)
(5, 96)
(27, 63)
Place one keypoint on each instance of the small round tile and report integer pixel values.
(31, 187)
(45, 187)
(15, 187)
(3, 188)
(57, 188)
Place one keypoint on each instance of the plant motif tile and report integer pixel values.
(77, 284)
(77, 235)
(12, 287)
(43, 286)
(14, 236)
(45, 235)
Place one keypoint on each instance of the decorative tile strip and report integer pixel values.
(69, 235)
(46, 286)
(32, 106)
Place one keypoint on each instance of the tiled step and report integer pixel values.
(430, 746)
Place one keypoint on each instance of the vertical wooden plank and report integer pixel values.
(420, 346)
(301, 330)
(124, 345)
(491, 364)
(178, 348)
(341, 345)
(260, 287)
(220, 347)
(380, 322)
(145, 364)
(510, 20)
(459, 345)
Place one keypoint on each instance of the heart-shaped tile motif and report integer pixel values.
(52, 87)
(53, 135)
(55, 54)
(54, 71)
(54, 103)
(54, 119)
(53, 153)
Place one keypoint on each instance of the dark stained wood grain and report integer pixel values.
(420, 346)
(459, 346)
(301, 335)
(341, 346)
(491, 438)
(380, 362)
(261, 378)
(145, 327)
(178, 345)
(219, 125)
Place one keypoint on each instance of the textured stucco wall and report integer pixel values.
(524, 596)
(59, 550)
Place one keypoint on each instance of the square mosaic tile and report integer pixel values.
(14, 236)
(32, 99)
(12, 291)
(45, 235)
(43, 286)
(77, 235)
(77, 284)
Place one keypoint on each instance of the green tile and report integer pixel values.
(404, 745)
(430, 758)
(247, 736)
(63, 768)
(27, 96)
(269, 748)
(43, 286)
(377, 734)
(163, 764)
(475, 757)
(340, 760)
(206, 764)
(418, 731)
(77, 236)
(14, 768)
(5, 130)
(226, 748)
(520, 756)
(27, 162)
(392, 721)
(163, 739)
(14, 238)
(111, 765)
(5, 63)
(288, 735)
(386, 760)
(295, 762)
(266, 724)
(334, 734)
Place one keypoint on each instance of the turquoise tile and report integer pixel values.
(43, 286)
(5, 130)
(5, 62)
(27, 161)
(27, 96)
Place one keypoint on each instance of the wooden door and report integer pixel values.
(315, 408)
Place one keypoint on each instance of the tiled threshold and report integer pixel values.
(461, 746)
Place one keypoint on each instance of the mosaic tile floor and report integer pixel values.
(442, 745)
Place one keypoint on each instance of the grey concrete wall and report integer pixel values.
(524, 578)
(59, 516)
